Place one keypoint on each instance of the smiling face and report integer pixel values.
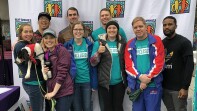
(49, 42)
(105, 17)
(43, 23)
(78, 31)
(112, 31)
(72, 16)
(140, 30)
(27, 33)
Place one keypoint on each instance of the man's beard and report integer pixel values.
(169, 34)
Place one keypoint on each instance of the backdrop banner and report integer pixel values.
(123, 11)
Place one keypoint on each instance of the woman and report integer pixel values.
(30, 85)
(86, 78)
(59, 85)
(108, 55)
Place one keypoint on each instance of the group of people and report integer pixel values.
(106, 62)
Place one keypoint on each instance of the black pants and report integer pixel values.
(112, 98)
(47, 102)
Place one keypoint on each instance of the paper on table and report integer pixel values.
(3, 90)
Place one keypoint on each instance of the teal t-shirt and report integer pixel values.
(101, 31)
(81, 59)
(143, 58)
(115, 68)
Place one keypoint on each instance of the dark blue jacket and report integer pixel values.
(93, 70)
(23, 67)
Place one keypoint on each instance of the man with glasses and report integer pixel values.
(66, 34)
(43, 23)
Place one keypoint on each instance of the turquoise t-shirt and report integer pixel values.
(81, 59)
(115, 69)
(143, 58)
(101, 30)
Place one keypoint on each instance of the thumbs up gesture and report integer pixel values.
(101, 48)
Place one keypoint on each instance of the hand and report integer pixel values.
(101, 48)
(46, 69)
(144, 78)
(183, 94)
(143, 86)
(93, 90)
(49, 96)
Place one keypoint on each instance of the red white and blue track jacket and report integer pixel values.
(156, 52)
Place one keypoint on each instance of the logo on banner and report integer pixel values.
(179, 6)
(151, 25)
(88, 25)
(53, 7)
(19, 22)
(116, 8)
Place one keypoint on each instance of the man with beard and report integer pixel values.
(66, 34)
(179, 67)
(43, 23)
(105, 16)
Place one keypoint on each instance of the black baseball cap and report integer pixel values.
(44, 14)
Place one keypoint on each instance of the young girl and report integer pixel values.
(86, 78)
(60, 85)
(108, 55)
(30, 85)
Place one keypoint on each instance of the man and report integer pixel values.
(179, 67)
(144, 61)
(43, 23)
(105, 16)
(66, 34)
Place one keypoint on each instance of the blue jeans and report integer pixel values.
(64, 103)
(35, 96)
(82, 97)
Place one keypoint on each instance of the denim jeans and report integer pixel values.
(82, 97)
(64, 103)
(35, 96)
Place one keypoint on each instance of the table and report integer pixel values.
(8, 99)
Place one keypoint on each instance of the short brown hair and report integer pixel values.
(74, 9)
(105, 9)
(136, 19)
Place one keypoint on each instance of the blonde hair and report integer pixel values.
(20, 30)
(136, 19)
(44, 46)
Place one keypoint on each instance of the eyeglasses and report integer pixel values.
(80, 30)
(72, 14)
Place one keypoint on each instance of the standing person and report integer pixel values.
(30, 85)
(179, 67)
(43, 23)
(60, 85)
(86, 78)
(108, 55)
(66, 34)
(105, 16)
(144, 61)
